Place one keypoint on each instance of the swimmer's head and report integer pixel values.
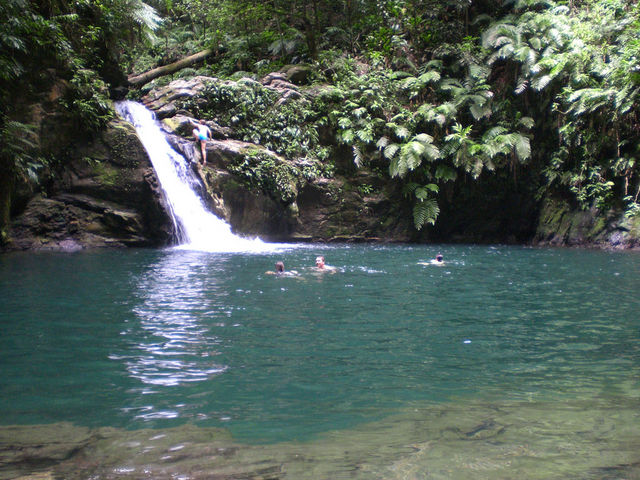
(279, 267)
(439, 257)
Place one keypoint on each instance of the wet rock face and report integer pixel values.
(561, 224)
(337, 210)
(106, 196)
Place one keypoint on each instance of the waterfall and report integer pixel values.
(197, 227)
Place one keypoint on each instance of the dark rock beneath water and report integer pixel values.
(25, 448)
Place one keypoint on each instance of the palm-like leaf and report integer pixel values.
(391, 150)
(425, 211)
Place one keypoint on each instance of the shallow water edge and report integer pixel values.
(465, 439)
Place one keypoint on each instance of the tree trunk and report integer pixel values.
(146, 77)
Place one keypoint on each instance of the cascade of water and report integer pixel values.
(198, 228)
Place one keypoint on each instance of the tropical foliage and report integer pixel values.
(433, 93)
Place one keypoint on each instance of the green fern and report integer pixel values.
(411, 155)
(425, 212)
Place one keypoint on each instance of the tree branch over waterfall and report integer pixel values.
(146, 77)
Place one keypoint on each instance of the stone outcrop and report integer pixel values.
(561, 224)
(164, 101)
(106, 195)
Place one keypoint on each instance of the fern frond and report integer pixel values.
(347, 136)
(429, 77)
(423, 192)
(539, 83)
(445, 173)
(401, 131)
(433, 64)
(365, 135)
(411, 155)
(425, 211)
(492, 133)
(445, 112)
(391, 150)
(480, 111)
(527, 122)
(358, 159)
(146, 15)
(382, 142)
(409, 188)
(359, 112)
(397, 168)
(522, 86)
(423, 138)
(344, 122)
(522, 146)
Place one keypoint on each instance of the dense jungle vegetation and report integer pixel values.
(542, 94)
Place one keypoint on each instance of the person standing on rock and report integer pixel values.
(202, 133)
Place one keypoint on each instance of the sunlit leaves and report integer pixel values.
(411, 155)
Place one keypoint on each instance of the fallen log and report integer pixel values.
(146, 77)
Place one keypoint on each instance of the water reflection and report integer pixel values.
(173, 346)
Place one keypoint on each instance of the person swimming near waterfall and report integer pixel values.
(322, 267)
(281, 271)
(201, 133)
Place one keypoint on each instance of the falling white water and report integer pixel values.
(198, 228)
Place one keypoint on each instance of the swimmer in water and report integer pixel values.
(439, 260)
(280, 270)
(322, 267)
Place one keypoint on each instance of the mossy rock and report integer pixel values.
(123, 145)
(105, 173)
(298, 74)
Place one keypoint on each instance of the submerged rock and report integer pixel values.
(24, 449)
(466, 438)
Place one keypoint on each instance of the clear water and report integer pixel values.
(528, 339)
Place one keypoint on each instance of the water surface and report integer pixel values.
(483, 351)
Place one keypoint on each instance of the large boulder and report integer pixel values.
(164, 100)
(106, 195)
(298, 74)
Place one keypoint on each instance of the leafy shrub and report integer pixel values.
(266, 172)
